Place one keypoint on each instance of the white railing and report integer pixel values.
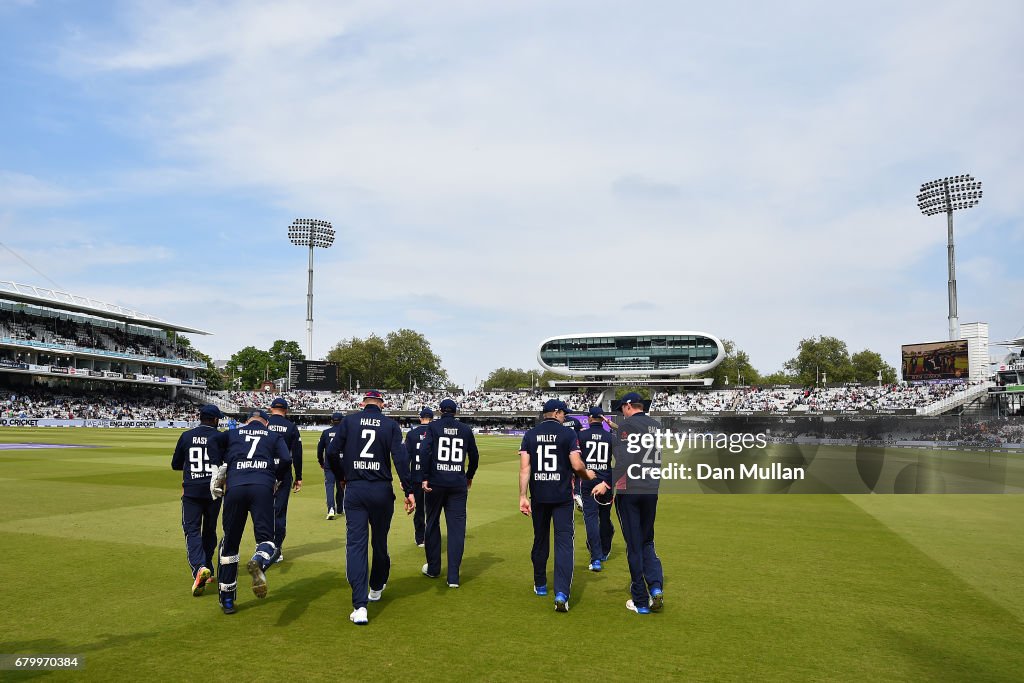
(955, 400)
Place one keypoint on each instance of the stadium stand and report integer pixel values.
(69, 404)
(47, 334)
(486, 401)
(847, 398)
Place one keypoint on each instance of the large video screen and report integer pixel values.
(313, 375)
(936, 360)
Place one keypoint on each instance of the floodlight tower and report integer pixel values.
(949, 195)
(310, 232)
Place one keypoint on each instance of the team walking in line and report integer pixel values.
(247, 472)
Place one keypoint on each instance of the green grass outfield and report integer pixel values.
(758, 587)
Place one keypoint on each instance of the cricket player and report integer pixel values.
(548, 456)
(330, 481)
(280, 423)
(199, 510)
(412, 446)
(449, 462)
(362, 452)
(255, 459)
(596, 446)
(636, 503)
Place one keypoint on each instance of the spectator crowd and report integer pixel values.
(885, 397)
(64, 404)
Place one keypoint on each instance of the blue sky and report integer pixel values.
(503, 172)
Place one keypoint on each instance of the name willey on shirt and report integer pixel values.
(547, 476)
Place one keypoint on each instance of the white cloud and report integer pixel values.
(752, 170)
(21, 190)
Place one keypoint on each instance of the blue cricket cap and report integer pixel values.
(279, 402)
(336, 417)
(257, 412)
(374, 394)
(449, 406)
(211, 411)
(554, 404)
(595, 411)
(426, 412)
(633, 397)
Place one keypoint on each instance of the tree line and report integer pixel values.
(818, 360)
(404, 360)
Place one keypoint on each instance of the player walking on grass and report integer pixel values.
(331, 483)
(413, 441)
(596, 446)
(548, 456)
(254, 460)
(199, 510)
(449, 460)
(280, 423)
(361, 454)
(636, 503)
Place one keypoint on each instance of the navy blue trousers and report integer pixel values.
(636, 520)
(561, 514)
(369, 507)
(598, 521)
(240, 502)
(453, 502)
(199, 522)
(419, 516)
(331, 484)
(281, 511)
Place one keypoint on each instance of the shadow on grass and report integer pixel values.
(301, 593)
(959, 660)
(295, 552)
(54, 647)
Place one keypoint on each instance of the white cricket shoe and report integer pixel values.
(453, 585)
(358, 617)
(330, 514)
(374, 596)
(428, 574)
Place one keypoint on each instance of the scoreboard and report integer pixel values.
(313, 375)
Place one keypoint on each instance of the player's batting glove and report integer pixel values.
(218, 481)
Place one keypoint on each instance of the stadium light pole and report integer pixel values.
(948, 195)
(312, 233)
